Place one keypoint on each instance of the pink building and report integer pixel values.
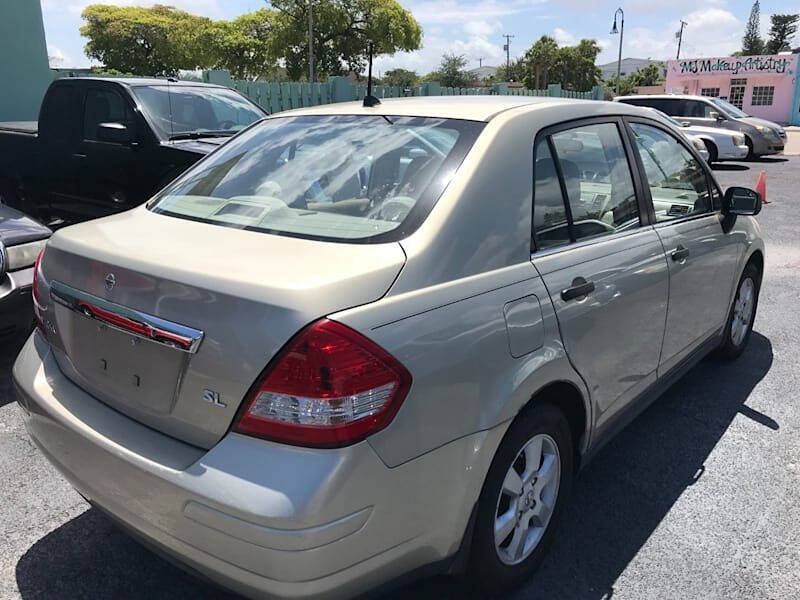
(762, 86)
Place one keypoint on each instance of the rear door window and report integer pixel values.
(58, 114)
(594, 174)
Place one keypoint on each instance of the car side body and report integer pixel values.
(761, 136)
(488, 320)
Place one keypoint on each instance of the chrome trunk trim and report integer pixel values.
(130, 321)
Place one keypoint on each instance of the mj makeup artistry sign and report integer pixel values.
(733, 66)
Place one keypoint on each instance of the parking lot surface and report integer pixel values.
(697, 498)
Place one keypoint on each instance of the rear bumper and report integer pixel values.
(261, 518)
(16, 307)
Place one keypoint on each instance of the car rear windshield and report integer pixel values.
(183, 109)
(364, 179)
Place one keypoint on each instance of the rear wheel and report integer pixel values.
(521, 500)
(742, 314)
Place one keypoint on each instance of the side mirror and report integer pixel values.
(741, 201)
(114, 133)
(715, 115)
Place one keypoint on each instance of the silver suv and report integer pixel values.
(761, 136)
(353, 342)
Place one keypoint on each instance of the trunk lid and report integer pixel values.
(244, 293)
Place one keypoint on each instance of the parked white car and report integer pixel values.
(720, 144)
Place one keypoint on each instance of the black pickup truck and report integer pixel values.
(104, 145)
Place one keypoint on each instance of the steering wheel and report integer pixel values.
(226, 124)
(394, 210)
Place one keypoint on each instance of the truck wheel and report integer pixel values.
(713, 154)
(522, 498)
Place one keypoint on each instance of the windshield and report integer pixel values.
(339, 178)
(729, 108)
(174, 110)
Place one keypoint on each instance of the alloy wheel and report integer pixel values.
(527, 499)
(743, 311)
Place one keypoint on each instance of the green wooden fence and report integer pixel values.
(276, 96)
(279, 96)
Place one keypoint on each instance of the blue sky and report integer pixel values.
(474, 27)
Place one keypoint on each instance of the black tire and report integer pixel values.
(729, 349)
(713, 154)
(489, 574)
(751, 155)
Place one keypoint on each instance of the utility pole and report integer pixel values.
(621, 32)
(480, 62)
(507, 48)
(679, 35)
(310, 42)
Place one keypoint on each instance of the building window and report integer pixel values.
(711, 92)
(736, 96)
(762, 95)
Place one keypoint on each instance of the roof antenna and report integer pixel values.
(369, 99)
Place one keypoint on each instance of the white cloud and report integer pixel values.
(57, 57)
(564, 38)
(710, 32)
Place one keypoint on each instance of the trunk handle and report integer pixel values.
(130, 321)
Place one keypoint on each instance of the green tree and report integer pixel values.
(451, 71)
(512, 72)
(400, 77)
(540, 58)
(148, 41)
(626, 86)
(343, 30)
(752, 43)
(246, 46)
(781, 33)
(650, 75)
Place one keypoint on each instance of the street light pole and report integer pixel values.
(621, 32)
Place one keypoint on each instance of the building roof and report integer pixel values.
(484, 72)
(471, 108)
(629, 60)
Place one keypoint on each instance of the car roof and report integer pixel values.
(664, 96)
(143, 81)
(471, 108)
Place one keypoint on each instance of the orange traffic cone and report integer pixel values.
(761, 187)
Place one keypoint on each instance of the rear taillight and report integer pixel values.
(38, 308)
(329, 386)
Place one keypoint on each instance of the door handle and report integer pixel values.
(680, 254)
(580, 288)
(79, 155)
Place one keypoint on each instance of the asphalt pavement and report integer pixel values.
(697, 498)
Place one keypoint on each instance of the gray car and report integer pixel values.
(762, 137)
(21, 241)
(355, 342)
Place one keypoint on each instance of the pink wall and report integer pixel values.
(690, 75)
